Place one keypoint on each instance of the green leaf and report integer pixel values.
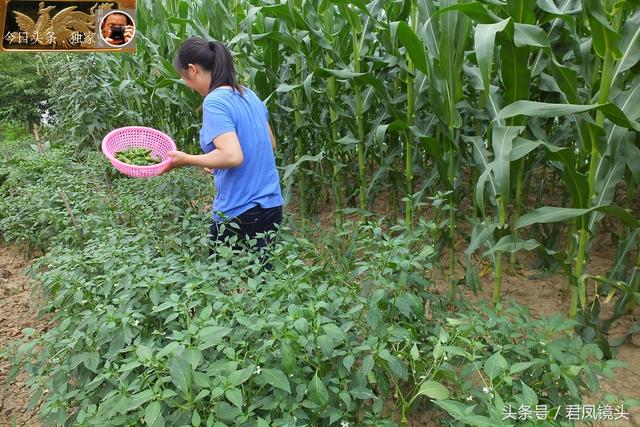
(550, 7)
(511, 244)
(360, 4)
(502, 142)
(374, 319)
(35, 399)
(153, 415)
(605, 39)
(362, 79)
(415, 48)
(288, 357)
(415, 354)
(521, 366)
(195, 418)
(530, 35)
(289, 170)
(144, 352)
(277, 36)
(238, 377)
(484, 44)
(543, 109)
(180, 370)
(549, 214)
(367, 364)
(395, 365)
(521, 147)
(234, 395)
(326, 344)
(480, 233)
(529, 396)
(630, 153)
(139, 399)
(483, 160)
(91, 361)
(348, 362)
(345, 397)
(607, 178)
(434, 390)
(317, 391)
(276, 378)
(335, 332)
(301, 325)
(464, 413)
(409, 305)
(630, 45)
(629, 103)
(494, 365)
(212, 335)
(474, 10)
(284, 88)
(168, 349)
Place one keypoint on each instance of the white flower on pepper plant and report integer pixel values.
(344, 424)
(469, 399)
(257, 371)
(486, 390)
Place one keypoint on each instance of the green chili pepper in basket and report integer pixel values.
(137, 157)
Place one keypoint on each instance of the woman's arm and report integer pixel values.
(228, 154)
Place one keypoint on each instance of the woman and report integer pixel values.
(237, 141)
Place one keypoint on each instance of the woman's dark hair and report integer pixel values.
(212, 56)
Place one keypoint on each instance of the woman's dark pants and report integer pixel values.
(252, 222)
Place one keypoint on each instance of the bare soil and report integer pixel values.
(19, 303)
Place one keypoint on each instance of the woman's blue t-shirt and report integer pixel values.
(255, 181)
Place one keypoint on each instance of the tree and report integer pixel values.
(23, 85)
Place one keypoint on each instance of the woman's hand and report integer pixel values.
(178, 159)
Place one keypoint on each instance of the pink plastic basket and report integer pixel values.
(138, 137)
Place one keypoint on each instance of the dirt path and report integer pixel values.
(18, 310)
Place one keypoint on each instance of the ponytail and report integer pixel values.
(213, 56)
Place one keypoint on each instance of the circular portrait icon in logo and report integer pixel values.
(117, 28)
